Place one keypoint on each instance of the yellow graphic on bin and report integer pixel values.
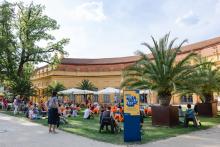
(131, 102)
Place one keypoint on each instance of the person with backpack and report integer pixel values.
(53, 116)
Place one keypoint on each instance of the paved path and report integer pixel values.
(22, 133)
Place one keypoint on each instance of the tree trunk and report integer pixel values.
(20, 69)
(164, 98)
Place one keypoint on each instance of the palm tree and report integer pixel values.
(160, 71)
(55, 86)
(86, 85)
(206, 79)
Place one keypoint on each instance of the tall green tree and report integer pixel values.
(26, 39)
(55, 86)
(161, 71)
(8, 58)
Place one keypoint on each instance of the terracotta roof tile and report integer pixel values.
(201, 45)
(100, 61)
(131, 59)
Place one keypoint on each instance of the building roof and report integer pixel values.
(200, 45)
(130, 59)
(100, 61)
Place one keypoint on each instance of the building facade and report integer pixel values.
(107, 72)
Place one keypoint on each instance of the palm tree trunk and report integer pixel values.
(164, 98)
(208, 97)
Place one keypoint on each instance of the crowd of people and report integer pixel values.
(109, 115)
(58, 112)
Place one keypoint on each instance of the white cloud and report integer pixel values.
(188, 19)
(217, 7)
(90, 11)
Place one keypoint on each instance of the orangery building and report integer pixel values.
(107, 72)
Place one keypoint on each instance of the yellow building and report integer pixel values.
(107, 72)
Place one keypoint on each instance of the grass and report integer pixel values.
(89, 128)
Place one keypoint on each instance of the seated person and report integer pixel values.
(74, 110)
(180, 114)
(92, 107)
(118, 116)
(190, 116)
(36, 110)
(87, 113)
(44, 110)
(78, 108)
(121, 109)
(106, 119)
(66, 112)
(114, 109)
(31, 114)
(180, 111)
(62, 108)
(96, 110)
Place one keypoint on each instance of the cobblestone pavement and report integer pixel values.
(16, 132)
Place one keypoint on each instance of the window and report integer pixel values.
(186, 99)
(117, 98)
(143, 98)
(95, 98)
(106, 98)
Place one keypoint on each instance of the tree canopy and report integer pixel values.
(55, 86)
(86, 85)
(26, 40)
(161, 71)
(205, 80)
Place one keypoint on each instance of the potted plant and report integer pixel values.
(160, 72)
(206, 81)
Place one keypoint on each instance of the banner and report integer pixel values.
(132, 102)
(131, 116)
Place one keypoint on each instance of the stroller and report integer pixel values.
(61, 120)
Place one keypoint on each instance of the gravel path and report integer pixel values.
(22, 133)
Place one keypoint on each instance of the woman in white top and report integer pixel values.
(87, 113)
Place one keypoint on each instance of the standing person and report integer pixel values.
(53, 112)
(15, 103)
(5, 102)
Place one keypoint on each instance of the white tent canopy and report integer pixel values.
(109, 90)
(147, 91)
(75, 91)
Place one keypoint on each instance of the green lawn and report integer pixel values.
(89, 128)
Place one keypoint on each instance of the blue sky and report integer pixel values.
(115, 28)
